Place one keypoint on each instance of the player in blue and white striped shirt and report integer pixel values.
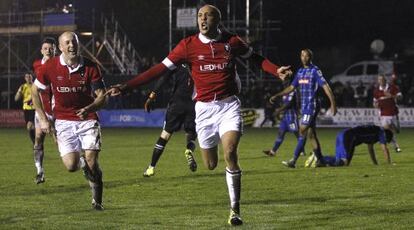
(308, 79)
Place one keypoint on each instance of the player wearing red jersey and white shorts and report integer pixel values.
(385, 97)
(73, 79)
(48, 51)
(211, 56)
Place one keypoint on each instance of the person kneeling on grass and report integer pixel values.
(347, 139)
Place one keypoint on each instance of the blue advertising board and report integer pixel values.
(131, 118)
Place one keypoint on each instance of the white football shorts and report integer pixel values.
(215, 118)
(389, 120)
(76, 136)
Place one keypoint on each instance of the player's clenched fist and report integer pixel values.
(150, 101)
(45, 125)
(82, 113)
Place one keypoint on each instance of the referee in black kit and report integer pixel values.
(180, 111)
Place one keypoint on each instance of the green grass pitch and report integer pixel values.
(361, 196)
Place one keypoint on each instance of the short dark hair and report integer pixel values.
(309, 51)
(49, 40)
(216, 9)
(388, 135)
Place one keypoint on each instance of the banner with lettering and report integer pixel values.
(12, 118)
(131, 118)
(345, 117)
(359, 116)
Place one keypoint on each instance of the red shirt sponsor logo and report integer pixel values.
(213, 67)
(212, 63)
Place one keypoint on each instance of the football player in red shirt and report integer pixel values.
(48, 50)
(385, 98)
(73, 79)
(211, 56)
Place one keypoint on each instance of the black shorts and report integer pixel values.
(178, 115)
(29, 115)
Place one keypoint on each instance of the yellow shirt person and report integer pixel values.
(25, 91)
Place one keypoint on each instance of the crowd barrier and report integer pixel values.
(348, 117)
(132, 118)
(345, 117)
(11, 118)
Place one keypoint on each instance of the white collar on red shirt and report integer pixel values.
(206, 40)
(62, 62)
(384, 88)
(42, 61)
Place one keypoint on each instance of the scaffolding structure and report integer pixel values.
(249, 24)
(103, 41)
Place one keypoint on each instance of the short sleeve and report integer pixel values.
(241, 48)
(295, 82)
(177, 56)
(317, 73)
(42, 79)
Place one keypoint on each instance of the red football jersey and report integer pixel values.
(387, 105)
(71, 88)
(212, 63)
(45, 95)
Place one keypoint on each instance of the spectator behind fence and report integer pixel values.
(361, 94)
(370, 95)
(348, 95)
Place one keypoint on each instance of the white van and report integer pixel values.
(365, 71)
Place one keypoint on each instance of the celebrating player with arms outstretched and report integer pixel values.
(308, 79)
(73, 79)
(48, 51)
(211, 55)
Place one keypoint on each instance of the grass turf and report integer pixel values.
(360, 196)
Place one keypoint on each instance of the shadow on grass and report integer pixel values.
(66, 188)
(303, 200)
(71, 188)
(330, 218)
(39, 216)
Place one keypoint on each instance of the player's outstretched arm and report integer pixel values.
(282, 72)
(372, 154)
(151, 74)
(38, 105)
(96, 105)
(283, 92)
(328, 91)
(386, 153)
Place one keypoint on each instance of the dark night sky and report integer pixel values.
(318, 24)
